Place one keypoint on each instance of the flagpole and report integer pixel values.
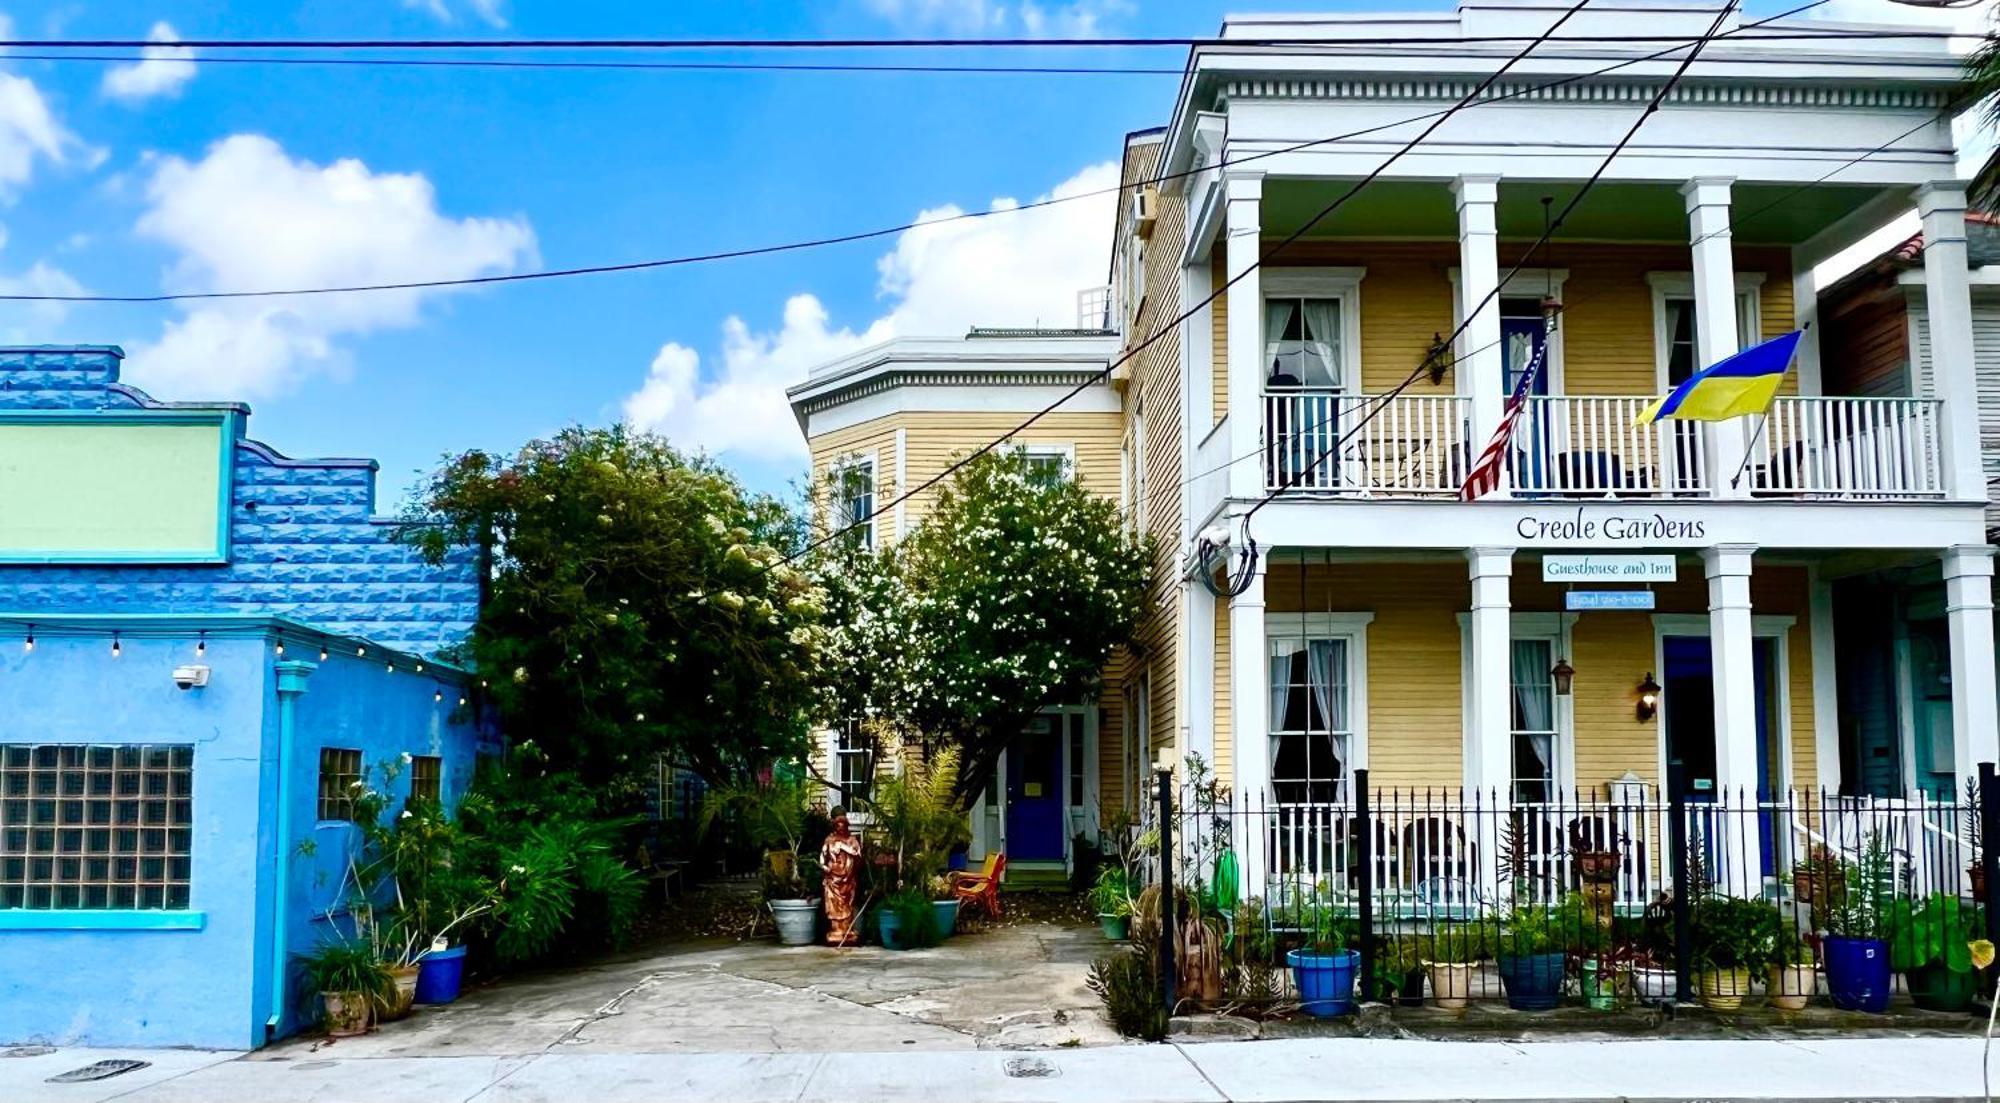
(1750, 451)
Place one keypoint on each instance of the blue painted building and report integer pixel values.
(202, 644)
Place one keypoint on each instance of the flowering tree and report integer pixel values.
(1010, 596)
(639, 604)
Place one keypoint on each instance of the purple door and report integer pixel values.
(1036, 813)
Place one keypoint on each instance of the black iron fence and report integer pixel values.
(1607, 899)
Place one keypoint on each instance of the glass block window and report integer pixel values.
(339, 770)
(426, 778)
(95, 827)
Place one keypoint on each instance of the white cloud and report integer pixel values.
(1009, 269)
(34, 323)
(492, 12)
(163, 72)
(1973, 19)
(29, 132)
(248, 215)
(1074, 19)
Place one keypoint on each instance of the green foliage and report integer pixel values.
(1010, 596)
(1112, 894)
(1978, 84)
(916, 918)
(1128, 983)
(556, 859)
(918, 812)
(1456, 943)
(638, 605)
(1940, 931)
(1734, 933)
(349, 965)
(772, 812)
(1859, 907)
(1526, 930)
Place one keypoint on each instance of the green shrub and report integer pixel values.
(347, 965)
(1733, 933)
(1128, 983)
(916, 918)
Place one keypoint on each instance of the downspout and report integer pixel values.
(292, 677)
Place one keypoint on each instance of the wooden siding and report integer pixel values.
(1218, 360)
(1225, 746)
(1865, 349)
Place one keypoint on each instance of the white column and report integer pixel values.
(1489, 742)
(1805, 318)
(1249, 725)
(1826, 686)
(1968, 604)
(1948, 303)
(1733, 663)
(1478, 374)
(1246, 333)
(1197, 671)
(1715, 317)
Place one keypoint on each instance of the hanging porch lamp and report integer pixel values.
(1649, 698)
(1563, 673)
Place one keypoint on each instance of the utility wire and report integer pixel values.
(682, 66)
(1371, 402)
(1257, 260)
(1803, 34)
(857, 236)
(1652, 106)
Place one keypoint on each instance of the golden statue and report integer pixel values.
(840, 859)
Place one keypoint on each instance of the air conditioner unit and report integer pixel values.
(1145, 210)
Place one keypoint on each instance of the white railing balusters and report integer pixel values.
(1849, 447)
(1411, 445)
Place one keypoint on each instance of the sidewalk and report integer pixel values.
(1819, 1068)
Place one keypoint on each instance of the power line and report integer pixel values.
(849, 238)
(1130, 42)
(1370, 403)
(672, 66)
(1652, 106)
(1256, 262)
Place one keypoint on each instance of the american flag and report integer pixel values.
(1484, 478)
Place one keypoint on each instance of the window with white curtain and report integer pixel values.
(1534, 720)
(854, 499)
(1303, 343)
(1311, 718)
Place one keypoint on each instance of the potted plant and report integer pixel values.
(1399, 971)
(918, 815)
(1792, 979)
(1931, 945)
(1451, 953)
(772, 812)
(1324, 968)
(1734, 939)
(352, 983)
(1584, 927)
(908, 921)
(1853, 911)
(1530, 957)
(1111, 898)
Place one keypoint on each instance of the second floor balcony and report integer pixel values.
(1323, 441)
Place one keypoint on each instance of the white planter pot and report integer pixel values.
(1653, 985)
(798, 921)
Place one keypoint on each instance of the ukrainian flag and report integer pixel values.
(1746, 383)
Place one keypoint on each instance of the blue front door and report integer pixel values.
(1689, 687)
(1035, 808)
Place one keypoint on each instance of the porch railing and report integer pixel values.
(1328, 442)
(1859, 447)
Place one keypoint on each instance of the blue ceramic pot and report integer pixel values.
(1325, 981)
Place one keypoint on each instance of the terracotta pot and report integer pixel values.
(1791, 986)
(405, 995)
(1723, 989)
(1451, 983)
(1597, 867)
(348, 1014)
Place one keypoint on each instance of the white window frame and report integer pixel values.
(1340, 284)
(1555, 628)
(1680, 285)
(1352, 628)
(837, 475)
(1064, 453)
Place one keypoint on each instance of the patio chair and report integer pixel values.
(980, 890)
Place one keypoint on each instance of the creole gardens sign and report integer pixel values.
(1635, 528)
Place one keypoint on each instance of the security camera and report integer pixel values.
(190, 677)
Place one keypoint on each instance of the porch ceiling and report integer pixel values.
(1765, 214)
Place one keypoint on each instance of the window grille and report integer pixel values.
(426, 778)
(339, 770)
(95, 827)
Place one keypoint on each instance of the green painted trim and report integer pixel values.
(28, 919)
(229, 426)
(222, 626)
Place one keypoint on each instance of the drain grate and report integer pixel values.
(1030, 1068)
(101, 1070)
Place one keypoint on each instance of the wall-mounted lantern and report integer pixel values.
(1438, 360)
(1649, 698)
(1563, 673)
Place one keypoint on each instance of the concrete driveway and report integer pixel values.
(1007, 987)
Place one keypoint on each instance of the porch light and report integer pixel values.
(1649, 698)
(1438, 360)
(1563, 673)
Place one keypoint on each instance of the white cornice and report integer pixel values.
(1733, 94)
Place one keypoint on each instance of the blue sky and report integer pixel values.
(215, 175)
